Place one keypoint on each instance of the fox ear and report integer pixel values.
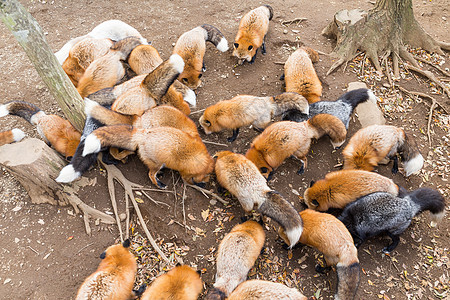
(236, 45)
(264, 170)
(311, 183)
(315, 203)
(199, 272)
(250, 48)
(103, 255)
(177, 265)
(208, 123)
(126, 243)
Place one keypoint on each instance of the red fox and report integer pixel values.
(158, 116)
(144, 59)
(157, 147)
(182, 282)
(236, 255)
(150, 92)
(330, 236)
(342, 187)
(82, 55)
(191, 47)
(53, 129)
(300, 76)
(107, 70)
(13, 135)
(379, 143)
(244, 110)
(114, 277)
(112, 29)
(261, 290)
(252, 33)
(242, 179)
(283, 139)
(381, 213)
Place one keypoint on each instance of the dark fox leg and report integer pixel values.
(234, 136)
(322, 270)
(203, 67)
(254, 57)
(395, 166)
(263, 47)
(395, 240)
(282, 77)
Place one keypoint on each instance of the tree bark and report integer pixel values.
(384, 30)
(28, 33)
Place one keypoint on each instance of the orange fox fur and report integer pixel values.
(107, 70)
(191, 47)
(236, 255)
(253, 28)
(342, 187)
(114, 277)
(53, 129)
(158, 116)
(283, 139)
(14, 135)
(330, 236)
(261, 290)
(376, 144)
(157, 147)
(82, 54)
(182, 282)
(300, 75)
(244, 110)
(152, 89)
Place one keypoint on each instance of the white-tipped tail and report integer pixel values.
(222, 46)
(413, 165)
(91, 145)
(67, 174)
(177, 62)
(18, 134)
(190, 98)
(372, 96)
(89, 106)
(436, 218)
(294, 235)
(3, 111)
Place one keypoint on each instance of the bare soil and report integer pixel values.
(45, 251)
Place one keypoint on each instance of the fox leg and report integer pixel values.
(263, 47)
(281, 77)
(203, 67)
(303, 162)
(395, 166)
(153, 170)
(119, 155)
(234, 136)
(254, 57)
(395, 240)
(322, 270)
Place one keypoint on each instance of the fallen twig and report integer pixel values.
(296, 20)
(430, 76)
(33, 250)
(182, 204)
(153, 200)
(279, 63)
(84, 248)
(205, 191)
(197, 111)
(214, 143)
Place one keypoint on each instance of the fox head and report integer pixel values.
(191, 77)
(118, 255)
(244, 49)
(317, 196)
(256, 157)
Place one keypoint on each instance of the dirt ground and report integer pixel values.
(44, 250)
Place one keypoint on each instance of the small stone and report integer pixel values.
(285, 31)
(7, 280)
(122, 216)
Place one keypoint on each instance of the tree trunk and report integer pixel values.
(35, 165)
(29, 35)
(384, 30)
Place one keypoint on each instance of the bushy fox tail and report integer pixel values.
(160, 79)
(348, 281)
(20, 108)
(270, 11)
(280, 210)
(289, 100)
(125, 46)
(14, 135)
(429, 199)
(216, 37)
(411, 158)
(105, 115)
(364, 157)
(120, 136)
(313, 55)
(322, 124)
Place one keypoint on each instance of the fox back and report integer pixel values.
(342, 187)
(261, 289)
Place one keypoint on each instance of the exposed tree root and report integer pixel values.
(296, 20)
(434, 102)
(115, 173)
(433, 65)
(430, 76)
